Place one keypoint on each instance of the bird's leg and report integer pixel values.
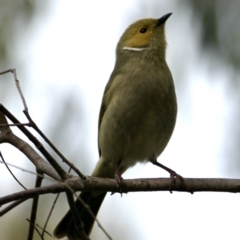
(173, 174)
(119, 179)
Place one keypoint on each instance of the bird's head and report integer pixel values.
(144, 34)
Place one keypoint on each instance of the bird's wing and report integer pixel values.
(104, 106)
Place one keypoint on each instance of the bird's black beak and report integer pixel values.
(163, 19)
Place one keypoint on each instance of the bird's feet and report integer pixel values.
(120, 183)
(176, 177)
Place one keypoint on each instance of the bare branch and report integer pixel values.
(13, 71)
(44, 231)
(11, 206)
(92, 214)
(1, 156)
(34, 208)
(7, 71)
(74, 211)
(7, 136)
(15, 124)
(190, 185)
(33, 225)
(77, 219)
(35, 127)
(49, 215)
(25, 170)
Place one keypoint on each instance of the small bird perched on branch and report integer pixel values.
(137, 116)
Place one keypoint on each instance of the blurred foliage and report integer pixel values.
(15, 18)
(219, 21)
(13, 14)
(220, 37)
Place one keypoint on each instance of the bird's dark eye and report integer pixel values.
(143, 30)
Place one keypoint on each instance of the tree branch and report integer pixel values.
(34, 140)
(33, 216)
(190, 185)
(7, 136)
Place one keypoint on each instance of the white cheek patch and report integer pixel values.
(134, 49)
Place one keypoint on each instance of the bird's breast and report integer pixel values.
(139, 119)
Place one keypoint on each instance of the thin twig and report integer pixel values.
(36, 128)
(94, 217)
(7, 136)
(1, 156)
(44, 230)
(34, 208)
(7, 71)
(54, 163)
(35, 141)
(76, 217)
(13, 71)
(39, 179)
(51, 210)
(19, 89)
(25, 170)
(89, 211)
(11, 206)
(49, 215)
(15, 124)
(33, 124)
(35, 228)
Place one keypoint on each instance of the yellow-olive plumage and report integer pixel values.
(137, 115)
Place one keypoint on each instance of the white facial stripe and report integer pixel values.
(134, 49)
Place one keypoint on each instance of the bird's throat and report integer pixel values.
(134, 49)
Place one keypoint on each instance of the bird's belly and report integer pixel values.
(134, 135)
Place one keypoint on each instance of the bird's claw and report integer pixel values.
(121, 184)
(176, 177)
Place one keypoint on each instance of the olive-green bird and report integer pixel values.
(137, 116)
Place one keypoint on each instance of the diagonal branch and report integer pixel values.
(7, 136)
(11, 206)
(35, 141)
(1, 156)
(35, 127)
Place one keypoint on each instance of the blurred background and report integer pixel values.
(64, 52)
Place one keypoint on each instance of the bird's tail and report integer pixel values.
(66, 226)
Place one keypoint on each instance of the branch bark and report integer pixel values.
(7, 136)
(190, 185)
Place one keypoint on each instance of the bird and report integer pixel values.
(137, 115)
